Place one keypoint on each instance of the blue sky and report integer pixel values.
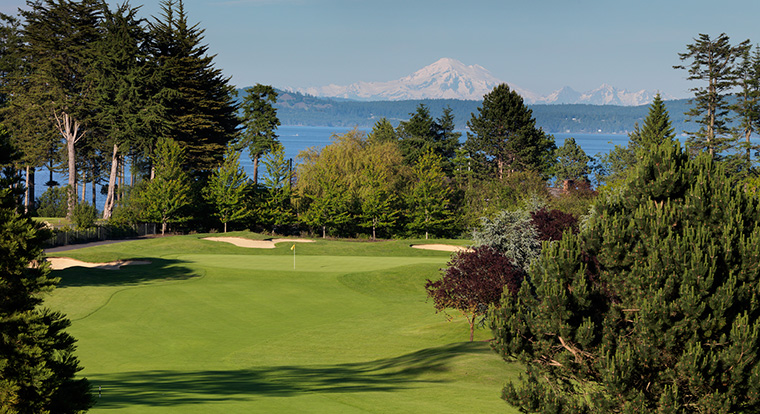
(540, 45)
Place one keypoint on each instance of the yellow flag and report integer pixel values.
(293, 248)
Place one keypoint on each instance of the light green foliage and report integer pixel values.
(377, 198)
(360, 175)
(512, 233)
(572, 162)
(85, 215)
(504, 137)
(276, 207)
(227, 188)
(168, 193)
(259, 123)
(652, 307)
(429, 197)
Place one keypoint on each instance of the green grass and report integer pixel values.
(209, 327)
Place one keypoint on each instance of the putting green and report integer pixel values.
(234, 332)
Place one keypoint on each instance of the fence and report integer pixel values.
(99, 233)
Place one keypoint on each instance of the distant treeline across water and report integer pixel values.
(298, 109)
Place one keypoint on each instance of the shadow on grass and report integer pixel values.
(157, 270)
(172, 388)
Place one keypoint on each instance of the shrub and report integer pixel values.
(85, 215)
(52, 203)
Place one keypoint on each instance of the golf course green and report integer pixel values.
(209, 327)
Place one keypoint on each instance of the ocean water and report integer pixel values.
(298, 138)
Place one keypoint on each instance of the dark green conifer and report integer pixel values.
(653, 307)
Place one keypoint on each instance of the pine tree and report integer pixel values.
(652, 307)
(275, 207)
(260, 123)
(656, 130)
(505, 138)
(572, 162)
(711, 61)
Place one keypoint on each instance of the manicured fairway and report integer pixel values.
(213, 328)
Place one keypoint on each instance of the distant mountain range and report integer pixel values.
(451, 79)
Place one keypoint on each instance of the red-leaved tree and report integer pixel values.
(473, 281)
(550, 224)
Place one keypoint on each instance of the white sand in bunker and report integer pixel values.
(442, 247)
(256, 244)
(60, 263)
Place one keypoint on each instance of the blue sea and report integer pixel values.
(298, 138)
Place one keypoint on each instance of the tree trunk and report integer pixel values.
(69, 129)
(94, 190)
(471, 320)
(163, 227)
(27, 192)
(324, 233)
(108, 208)
(256, 170)
(225, 227)
(373, 232)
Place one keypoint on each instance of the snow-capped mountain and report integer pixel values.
(444, 79)
(451, 79)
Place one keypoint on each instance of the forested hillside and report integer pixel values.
(294, 108)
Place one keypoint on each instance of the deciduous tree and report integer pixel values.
(473, 281)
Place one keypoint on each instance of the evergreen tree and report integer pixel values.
(59, 38)
(383, 131)
(168, 193)
(510, 233)
(37, 361)
(572, 162)
(711, 61)
(652, 307)
(260, 123)
(421, 133)
(504, 136)
(656, 130)
(121, 71)
(195, 99)
(429, 198)
(747, 108)
(377, 199)
(275, 207)
(227, 188)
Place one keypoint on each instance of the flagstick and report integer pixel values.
(294, 257)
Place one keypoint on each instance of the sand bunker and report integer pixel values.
(60, 263)
(442, 247)
(256, 244)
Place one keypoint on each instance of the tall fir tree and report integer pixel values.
(504, 136)
(652, 307)
(196, 99)
(227, 189)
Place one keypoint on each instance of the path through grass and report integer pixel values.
(209, 327)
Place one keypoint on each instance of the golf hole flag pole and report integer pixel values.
(294, 255)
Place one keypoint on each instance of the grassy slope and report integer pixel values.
(210, 327)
